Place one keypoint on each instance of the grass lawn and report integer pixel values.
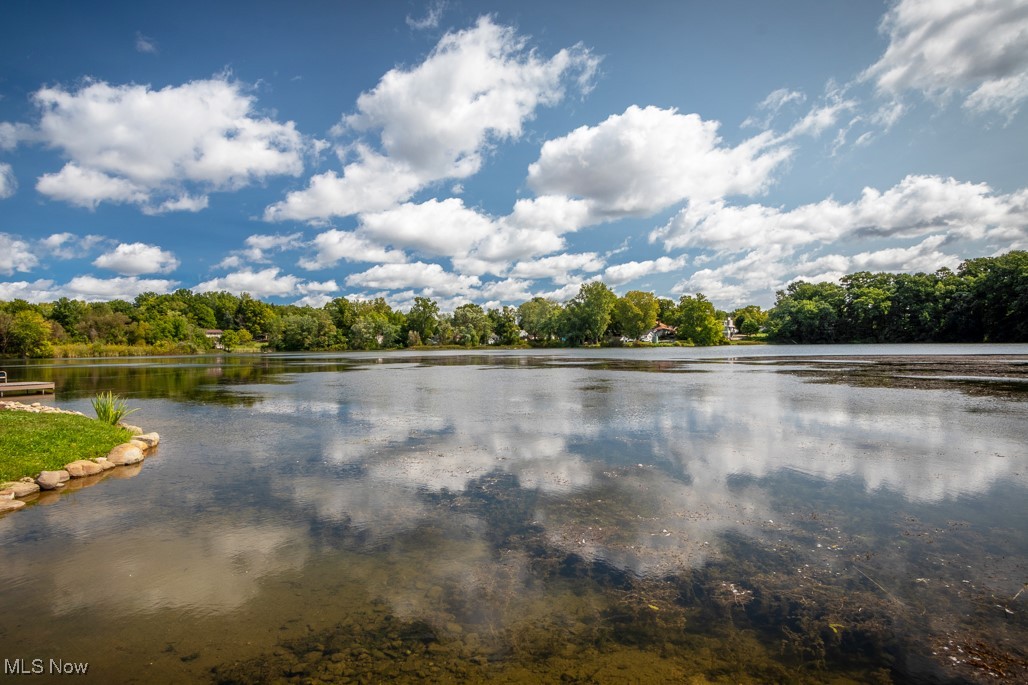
(30, 443)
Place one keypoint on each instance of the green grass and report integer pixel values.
(30, 443)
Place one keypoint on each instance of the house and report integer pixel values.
(730, 329)
(214, 335)
(659, 333)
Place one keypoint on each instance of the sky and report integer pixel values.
(491, 151)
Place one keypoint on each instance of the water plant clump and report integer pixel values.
(110, 408)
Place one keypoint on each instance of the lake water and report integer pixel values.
(840, 514)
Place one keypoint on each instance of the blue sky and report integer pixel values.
(494, 151)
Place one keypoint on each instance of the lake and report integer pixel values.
(844, 514)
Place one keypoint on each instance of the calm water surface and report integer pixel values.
(664, 515)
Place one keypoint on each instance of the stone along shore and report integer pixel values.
(132, 452)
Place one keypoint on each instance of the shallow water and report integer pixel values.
(752, 514)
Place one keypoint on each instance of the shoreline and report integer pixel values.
(15, 494)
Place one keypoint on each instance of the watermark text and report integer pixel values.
(44, 667)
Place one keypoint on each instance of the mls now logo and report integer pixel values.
(48, 666)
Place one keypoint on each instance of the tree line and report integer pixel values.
(984, 300)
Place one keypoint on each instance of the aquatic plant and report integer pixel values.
(110, 408)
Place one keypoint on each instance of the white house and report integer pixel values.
(659, 333)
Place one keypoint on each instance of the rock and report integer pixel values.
(124, 454)
(82, 467)
(104, 464)
(139, 443)
(21, 488)
(10, 505)
(150, 439)
(6, 495)
(51, 480)
(135, 430)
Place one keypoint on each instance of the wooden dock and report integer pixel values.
(25, 388)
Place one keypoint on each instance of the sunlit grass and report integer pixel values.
(30, 443)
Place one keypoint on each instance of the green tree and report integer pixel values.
(311, 330)
(172, 326)
(749, 319)
(698, 321)
(229, 339)
(867, 304)
(917, 309)
(807, 313)
(635, 313)
(102, 324)
(667, 311)
(504, 323)
(30, 335)
(445, 333)
(373, 331)
(232, 339)
(375, 325)
(223, 305)
(587, 315)
(68, 313)
(423, 318)
(539, 318)
(471, 325)
(999, 287)
(254, 315)
(343, 313)
(6, 331)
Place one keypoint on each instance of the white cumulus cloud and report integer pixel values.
(134, 144)
(630, 271)
(13, 134)
(431, 279)
(437, 228)
(916, 206)
(8, 183)
(436, 120)
(134, 259)
(41, 290)
(93, 289)
(88, 187)
(648, 159)
(15, 255)
(558, 268)
(263, 283)
(334, 245)
(68, 245)
(974, 48)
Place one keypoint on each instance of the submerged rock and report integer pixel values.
(10, 505)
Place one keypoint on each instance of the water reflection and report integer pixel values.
(609, 499)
